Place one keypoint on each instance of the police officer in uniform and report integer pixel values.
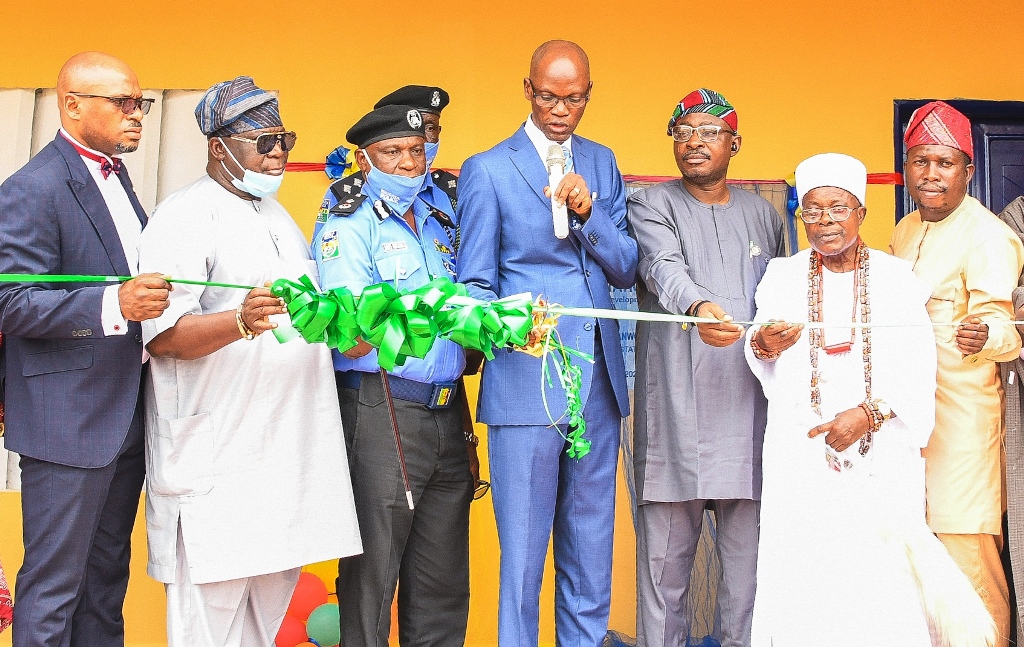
(386, 232)
(439, 189)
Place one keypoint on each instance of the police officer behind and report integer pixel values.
(385, 234)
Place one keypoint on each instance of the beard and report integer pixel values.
(126, 148)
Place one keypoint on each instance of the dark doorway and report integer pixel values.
(998, 131)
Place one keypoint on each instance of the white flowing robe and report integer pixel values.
(243, 446)
(832, 562)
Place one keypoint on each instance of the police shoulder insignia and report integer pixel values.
(348, 206)
(329, 245)
(447, 182)
(346, 186)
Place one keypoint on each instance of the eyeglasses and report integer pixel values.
(128, 105)
(837, 213)
(707, 133)
(267, 141)
(548, 100)
(481, 490)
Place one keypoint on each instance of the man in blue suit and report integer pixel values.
(508, 247)
(74, 358)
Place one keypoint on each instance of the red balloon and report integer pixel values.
(306, 645)
(291, 633)
(309, 593)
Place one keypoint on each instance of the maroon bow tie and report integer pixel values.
(107, 166)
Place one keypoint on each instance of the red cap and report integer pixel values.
(938, 123)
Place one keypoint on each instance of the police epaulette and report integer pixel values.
(348, 206)
(446, 181)
(347, 186)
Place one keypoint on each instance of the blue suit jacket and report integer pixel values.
(509, 246)
(70, 391)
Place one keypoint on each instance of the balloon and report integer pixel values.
(326, 571)
(309, 593)
(292, 633)
(324, 625)
(306, 645)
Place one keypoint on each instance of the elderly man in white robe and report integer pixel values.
(247, 478)
(845, 555)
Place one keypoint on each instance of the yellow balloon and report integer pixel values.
(326, 571)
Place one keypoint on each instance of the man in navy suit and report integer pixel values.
(74, 358)
(508, 247)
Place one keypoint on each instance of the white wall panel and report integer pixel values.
(17, 107)
(46, 121)
(183, 146)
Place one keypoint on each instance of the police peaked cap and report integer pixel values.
(387, 122)
(426, 98)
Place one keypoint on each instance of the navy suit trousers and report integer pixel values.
(77, 526)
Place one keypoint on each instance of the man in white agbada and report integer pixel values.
(845, 556)
(247, 478)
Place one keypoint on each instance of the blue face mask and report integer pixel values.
(397, 191)
(255, 184)
(431, 152)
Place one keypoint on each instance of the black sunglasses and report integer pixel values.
(128, 105)
(267, 141)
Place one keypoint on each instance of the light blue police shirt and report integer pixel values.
(362, 249)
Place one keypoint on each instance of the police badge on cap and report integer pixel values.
(387, 122)
(425, 98)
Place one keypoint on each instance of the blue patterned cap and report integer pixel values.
(236, 106)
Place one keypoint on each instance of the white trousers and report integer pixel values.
(246, 612)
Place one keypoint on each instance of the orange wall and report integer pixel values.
(806, 77)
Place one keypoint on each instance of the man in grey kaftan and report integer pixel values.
(699, 412)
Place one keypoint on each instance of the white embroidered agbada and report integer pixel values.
(243, 446)
(833, 565)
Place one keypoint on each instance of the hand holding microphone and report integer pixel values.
(570, 190)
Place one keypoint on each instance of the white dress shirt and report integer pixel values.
(540, 140)
(129, 228)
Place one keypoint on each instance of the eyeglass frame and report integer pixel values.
(278, 139)
(696, 130)
(583, 99)
(144, 104)
(828, 210)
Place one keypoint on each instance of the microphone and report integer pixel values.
(555, 164)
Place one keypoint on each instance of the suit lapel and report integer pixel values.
(95, 207)
(526, 159)
(583, 162)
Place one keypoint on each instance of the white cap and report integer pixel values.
(832, 169)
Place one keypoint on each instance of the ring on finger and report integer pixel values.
(576, 191)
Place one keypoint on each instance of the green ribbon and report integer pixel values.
(328, 317)
(403, 323)
(570, 377)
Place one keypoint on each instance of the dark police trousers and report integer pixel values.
(425, 552)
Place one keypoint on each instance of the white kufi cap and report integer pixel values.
(832, 169)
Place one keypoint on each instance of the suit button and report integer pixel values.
(138, 338)
(588, 326)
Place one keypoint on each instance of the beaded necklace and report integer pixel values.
(815, 301)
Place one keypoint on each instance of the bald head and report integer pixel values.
(94, 120)
(558, 88)
(563, 54)
(93, 72)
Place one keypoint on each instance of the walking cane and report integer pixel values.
(398, 437)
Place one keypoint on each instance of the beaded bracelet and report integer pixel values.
(760, 353)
